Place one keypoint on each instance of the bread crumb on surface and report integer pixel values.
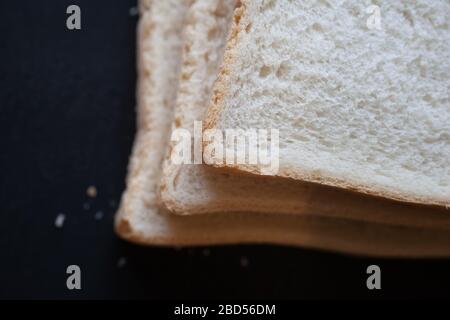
(134, 11)
(98, 215)
(121, 262)
(59, 221)
(91, 191)
(244, 262)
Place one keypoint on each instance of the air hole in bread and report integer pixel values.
(283, 71)
(265, 71)
(213, 33)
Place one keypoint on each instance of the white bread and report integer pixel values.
(357, 108)
(140, 221)
(195, 189)
(158, 55)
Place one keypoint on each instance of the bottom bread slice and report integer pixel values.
(150, 227)
(141, 221)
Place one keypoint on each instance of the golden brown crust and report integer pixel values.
(376, 191)
(354, 186)
(339, 235)
(222, 84)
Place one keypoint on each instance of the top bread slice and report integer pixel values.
(360, 105)
(141, 221)
(189, 189)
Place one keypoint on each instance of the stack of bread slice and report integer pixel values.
(363, 117)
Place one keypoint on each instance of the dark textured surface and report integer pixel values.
(67, 121)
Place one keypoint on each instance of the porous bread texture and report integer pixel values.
(206, 28)
(140, 221)
(357, 108)
(158, 59)
(196, 189)
(144, 5)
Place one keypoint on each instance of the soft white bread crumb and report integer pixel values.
(59, 221)
(357, 108)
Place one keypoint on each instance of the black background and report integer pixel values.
(67, 121)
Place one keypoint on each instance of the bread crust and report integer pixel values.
(221, 85)
(338, 235)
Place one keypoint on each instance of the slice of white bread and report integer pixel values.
(196, 189)
(357, 107)
(139, 220)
